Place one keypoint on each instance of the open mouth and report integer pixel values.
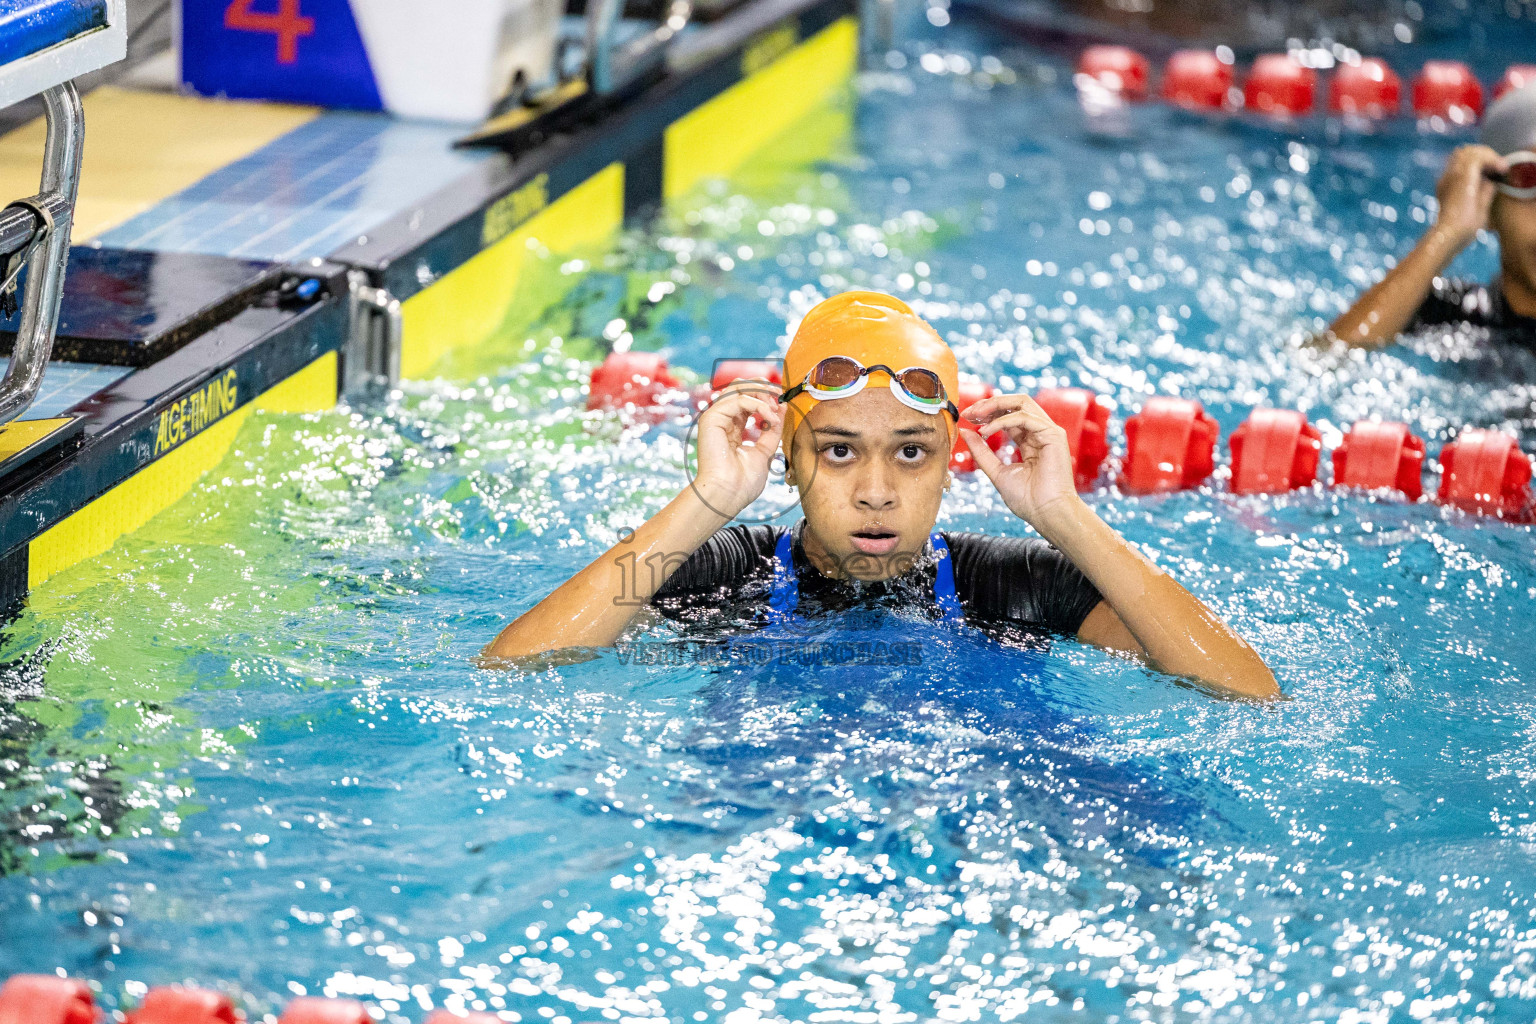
(875, 541)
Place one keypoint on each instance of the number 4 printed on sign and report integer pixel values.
(287, 24)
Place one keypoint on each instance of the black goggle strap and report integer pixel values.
(792, 392)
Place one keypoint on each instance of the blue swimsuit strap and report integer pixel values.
(944, 580)
(786, 588)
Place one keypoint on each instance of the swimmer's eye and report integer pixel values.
(838, 452)
(912, 452)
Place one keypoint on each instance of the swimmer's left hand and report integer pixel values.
(733, 467)
(1042, 477)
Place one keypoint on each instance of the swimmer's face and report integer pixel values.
(1515, 221)
(871, 473)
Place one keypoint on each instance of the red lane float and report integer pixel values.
(1380, 455)
(1170, 446)
(728, 371)
(1448, 89)
(1275, 450)
(1516, 76)
(1197, 80)
(444, 1017)
(315, 1010)
(1085, 419)
(1119, 69)
(179, 1005)
(1485, 471)
(1367, 89)
(1280, 87)
(630, 378)
(47, 999)
(960, 458)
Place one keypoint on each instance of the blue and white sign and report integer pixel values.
(403, 56)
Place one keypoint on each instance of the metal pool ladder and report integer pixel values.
(49, 44)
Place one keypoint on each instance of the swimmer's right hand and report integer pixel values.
(733, 466)
(1465, 192)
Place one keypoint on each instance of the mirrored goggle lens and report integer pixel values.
(835, 373)
(924, 385)
(1521, 175)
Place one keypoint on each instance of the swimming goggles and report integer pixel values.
(1519, 182)
(841, 376)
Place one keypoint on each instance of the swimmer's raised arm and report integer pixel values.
(1144, 611)
(1465, 195)
(594, 607)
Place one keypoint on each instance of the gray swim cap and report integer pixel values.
(1511, 122)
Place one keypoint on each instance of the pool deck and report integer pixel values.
(219, 246)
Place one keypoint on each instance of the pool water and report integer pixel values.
(248, 747)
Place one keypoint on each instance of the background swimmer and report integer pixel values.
(871, 465)
(1492, 184)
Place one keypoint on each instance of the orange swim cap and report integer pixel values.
(871, 327)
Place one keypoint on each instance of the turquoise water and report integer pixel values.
(248, 747)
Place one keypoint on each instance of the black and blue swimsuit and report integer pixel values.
(784, 599)
(761, 573)
(1456, 301)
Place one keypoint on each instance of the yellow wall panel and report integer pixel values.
(132, 503)
(470, 303)
(719, 136)
(312, 389)
(96, 527)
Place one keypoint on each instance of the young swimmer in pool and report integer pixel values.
(867, 426)
(1492, 184)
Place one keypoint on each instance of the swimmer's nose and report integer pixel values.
(875, 490)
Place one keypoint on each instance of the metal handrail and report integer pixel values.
(45, 276)
(371, 363)
(611, 66)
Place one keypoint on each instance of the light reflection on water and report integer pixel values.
(252, 751)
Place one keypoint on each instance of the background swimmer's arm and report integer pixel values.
(1145, 611)
(1465, 195)
(595, 607)
(1383, 312)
